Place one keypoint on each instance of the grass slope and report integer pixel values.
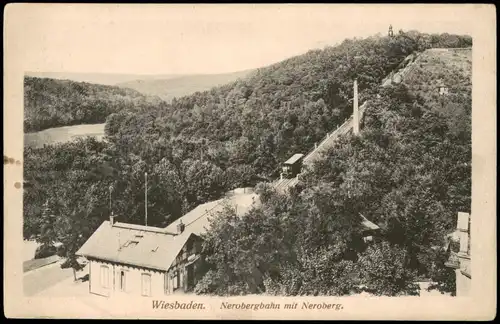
(440, 67)
(443, 78)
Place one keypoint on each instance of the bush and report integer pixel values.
(289, 282)
(208, 284)
(45, 251)
(238, 289)
(61, 250)
(384, 271)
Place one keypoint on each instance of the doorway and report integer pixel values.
(190, 282)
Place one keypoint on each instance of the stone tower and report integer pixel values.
(390, 33)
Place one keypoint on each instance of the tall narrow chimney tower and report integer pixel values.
(355, 113)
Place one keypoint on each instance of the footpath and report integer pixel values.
(33, 264)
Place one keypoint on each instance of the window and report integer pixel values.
(104, 276)
(368, 239)
(131, 243)
(175, 279)
(166, 283)
(122, 280)
(189, 247)
(146, 284)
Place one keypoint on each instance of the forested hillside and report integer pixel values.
(409, 172)
(202, 145)
(52, 103)
(282, 109)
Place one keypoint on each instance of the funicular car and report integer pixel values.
(292, 166)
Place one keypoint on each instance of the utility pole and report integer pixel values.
(146, 196)
(110, 190)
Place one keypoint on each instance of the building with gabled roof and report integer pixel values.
(369, 229)
(152, 261)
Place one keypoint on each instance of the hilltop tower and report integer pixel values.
(390, 33)
(355, 113)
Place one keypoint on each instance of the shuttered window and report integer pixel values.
(166, 283)
(104, 276)
(146, 284)
(176, 279)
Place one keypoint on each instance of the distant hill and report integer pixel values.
(53, 103)
(179, 86)
(100, 78)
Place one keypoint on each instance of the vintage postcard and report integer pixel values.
(257, 161)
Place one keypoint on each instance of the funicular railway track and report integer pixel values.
(284, 183)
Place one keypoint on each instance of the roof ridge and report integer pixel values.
(144, 228)
(206, 211)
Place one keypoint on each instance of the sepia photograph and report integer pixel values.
(233, 161)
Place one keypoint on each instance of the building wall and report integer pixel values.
(95, 279)
(107, 282)
(105, 277)
(462, 283)
(189, 252)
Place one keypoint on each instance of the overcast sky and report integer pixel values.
(188, 39)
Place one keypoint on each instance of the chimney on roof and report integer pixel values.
(112, 219)
(180, 227)
(355, 113)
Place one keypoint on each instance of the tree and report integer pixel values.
(48, 235)
(384, 271)
(73, 232)
(315, 273)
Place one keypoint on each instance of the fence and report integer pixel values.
(341, 130)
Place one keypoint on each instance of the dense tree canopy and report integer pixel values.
(409, 168)
(52, 103)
